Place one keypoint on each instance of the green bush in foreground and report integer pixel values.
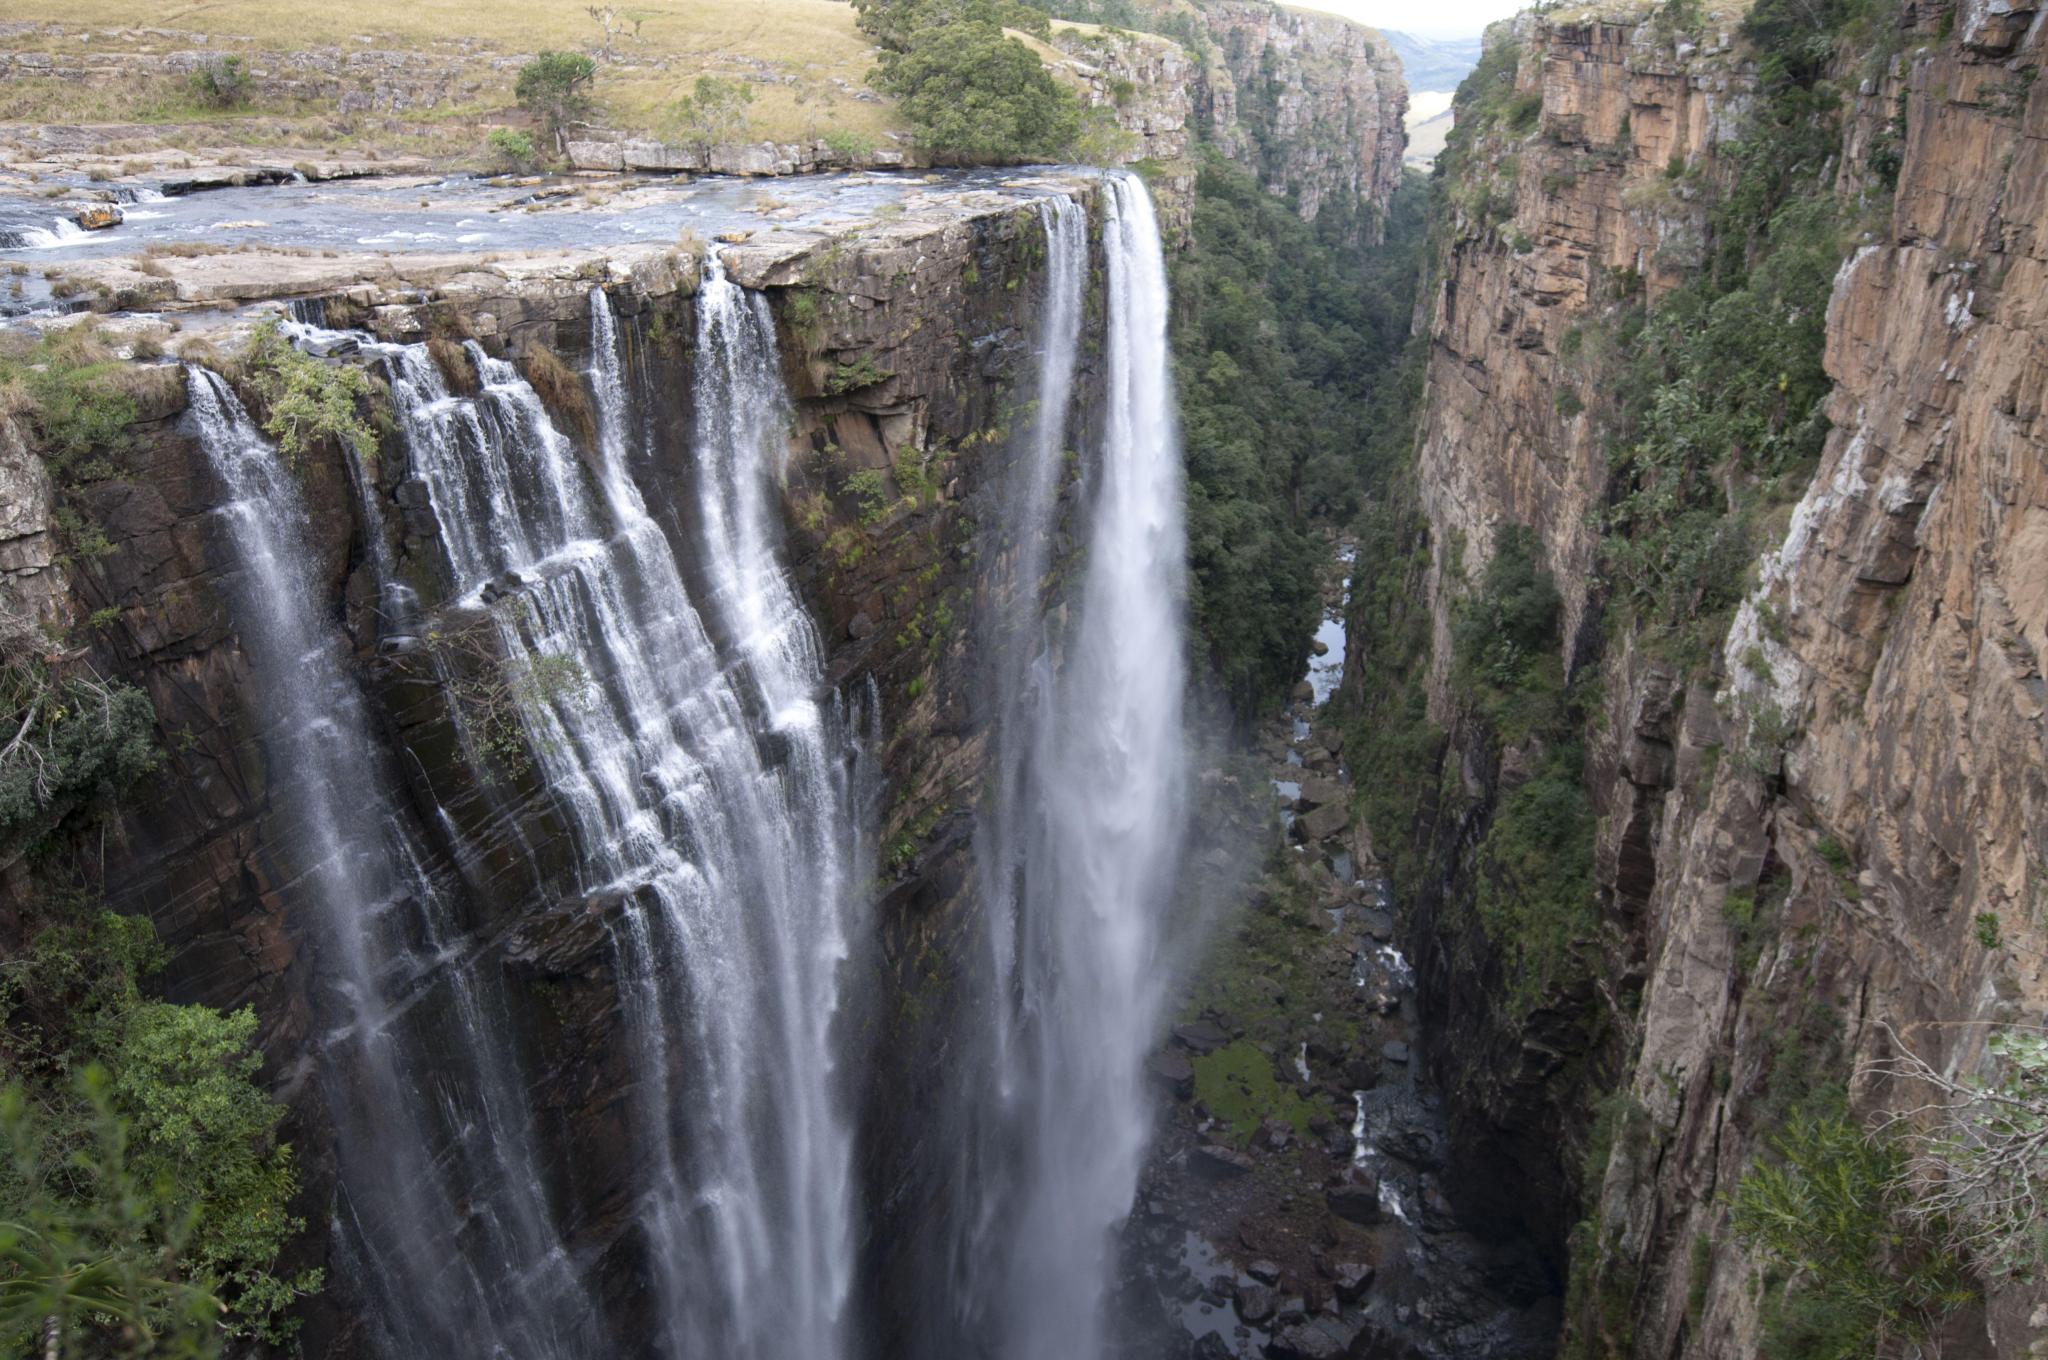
(1850, 1268)
(145, 1199)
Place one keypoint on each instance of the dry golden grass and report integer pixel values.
(812, 45)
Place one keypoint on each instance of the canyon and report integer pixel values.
(704, 766)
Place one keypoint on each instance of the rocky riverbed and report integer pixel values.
(1294, 1206)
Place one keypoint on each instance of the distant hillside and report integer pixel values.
(1434, 63)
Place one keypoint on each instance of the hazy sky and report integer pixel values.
(1429, 18)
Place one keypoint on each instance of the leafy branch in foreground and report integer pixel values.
(1853, 1262)
(1978, 1162)
(146, 1201)
(105, 1266)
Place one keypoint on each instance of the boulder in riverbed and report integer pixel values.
(1351, 1279)
(1202, 1036)
(1324, 821)
(1255, 1302)
(1219, 1163)
(1173, 1070)
(1318, 1340)
(1357, 1201)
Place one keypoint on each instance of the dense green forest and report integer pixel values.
(1287, 339)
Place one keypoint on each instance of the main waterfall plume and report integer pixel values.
(1081, 841)
(660, 699)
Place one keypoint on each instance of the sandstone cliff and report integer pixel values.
(1312, 102)
(1861, 750)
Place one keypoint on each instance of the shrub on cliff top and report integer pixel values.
(306, 400)
(66, 385)
(971, 92)
(555, 88)
(221, 82)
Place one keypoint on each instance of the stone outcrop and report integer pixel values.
(1865, 752)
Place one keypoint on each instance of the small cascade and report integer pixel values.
(442, 1215)
(61, 231)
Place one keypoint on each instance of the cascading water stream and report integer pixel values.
(1089, 817)
(442, 1213)
(707, 791)
(987, 1099)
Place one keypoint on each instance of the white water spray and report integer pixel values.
(1100, 819)
(442, 1216)
(705, 788)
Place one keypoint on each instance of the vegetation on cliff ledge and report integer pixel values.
(143, 1192)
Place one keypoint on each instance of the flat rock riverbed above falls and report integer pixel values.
(240, 244)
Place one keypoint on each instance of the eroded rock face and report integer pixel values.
(1312, 102)
(1898, 632)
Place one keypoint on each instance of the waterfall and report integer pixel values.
(706, 788)
(1018, 653)
(668, 688)
(442, 1212)
(1081, 844)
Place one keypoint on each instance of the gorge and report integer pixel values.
(808, 740)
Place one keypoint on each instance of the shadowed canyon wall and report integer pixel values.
(1809, 799)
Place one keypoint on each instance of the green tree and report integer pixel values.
(714, 114)
(971, 92)
(895, 24)
(146, 1202)
(555, 88)
(74, 745)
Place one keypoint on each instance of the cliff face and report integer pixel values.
(1863, 749)
(1314, 103)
